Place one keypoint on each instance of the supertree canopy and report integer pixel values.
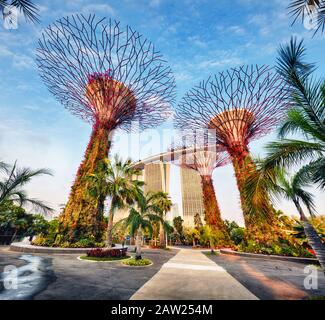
(236, 106)
(109, 76)
(204, 160)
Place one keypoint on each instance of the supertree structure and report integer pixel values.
(204, 160)
(235, 107)
(109, 76)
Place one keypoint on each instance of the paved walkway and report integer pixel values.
(193, 276)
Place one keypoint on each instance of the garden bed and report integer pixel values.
(137, 263)
(266, 256)
(23, 247)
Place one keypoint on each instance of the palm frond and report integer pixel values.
(259, 184)
(287, 152)
(4, 167)
(314, 172)
(28, 8)
(321, 19)
(290, 63)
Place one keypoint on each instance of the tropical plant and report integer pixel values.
(141, 217)
(309, 9)
(162, 201)
(276, 182)
(26, 7)
(307, 117)
(235, 232)
(178, 225)
(198, 221)
(39, 226)
(192, 235)
(115, 180)
(210, 237)
(11, 182)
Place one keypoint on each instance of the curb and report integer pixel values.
(269, 257)
(28, 248)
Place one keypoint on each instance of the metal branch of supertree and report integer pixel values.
(236, 105)
(104, 73)
(203, 159)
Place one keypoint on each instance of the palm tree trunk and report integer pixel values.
(110, 228)
(14, 235)
(161, 234)
(312, 237)
(138, 244)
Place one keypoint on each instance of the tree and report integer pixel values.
(162, 201)
(26, 7)
(111, 77)
(178, 225)
(141, 218)
(209, 236)
(204, 161)
(197, 221)
(11, 183)
(306, 117)
(117, 181)
(39, 226)
(309, 9)
(276, 182)
(233, 108)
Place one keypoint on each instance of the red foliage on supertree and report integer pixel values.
(104, 73)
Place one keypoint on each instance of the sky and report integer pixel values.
(197, 38)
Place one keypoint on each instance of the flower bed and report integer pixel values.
(107, 252)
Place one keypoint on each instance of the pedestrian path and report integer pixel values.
(191, 275)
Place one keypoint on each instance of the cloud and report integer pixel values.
(237, 30)
(102, 8)
(197, 41)
(221, 62)
(22, 61)
(154, 3)
(19, 61)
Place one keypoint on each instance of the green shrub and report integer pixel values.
(137, 262)
(237, 235)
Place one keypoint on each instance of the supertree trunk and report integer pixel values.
(211, 206)
(243, 165)
(82, 215)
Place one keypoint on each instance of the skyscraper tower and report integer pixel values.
(192, 196)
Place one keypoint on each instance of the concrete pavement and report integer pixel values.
(191, 275)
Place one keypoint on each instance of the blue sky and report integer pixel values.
(196, 37)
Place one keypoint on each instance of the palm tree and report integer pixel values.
(141, 218)
(11, 184)
(115, 180)
(276, 182)
(312, 9)
(27, 7)
(307, 116)
(162, 201)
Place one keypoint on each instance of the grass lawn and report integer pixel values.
(104, 259)
(137, 263)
